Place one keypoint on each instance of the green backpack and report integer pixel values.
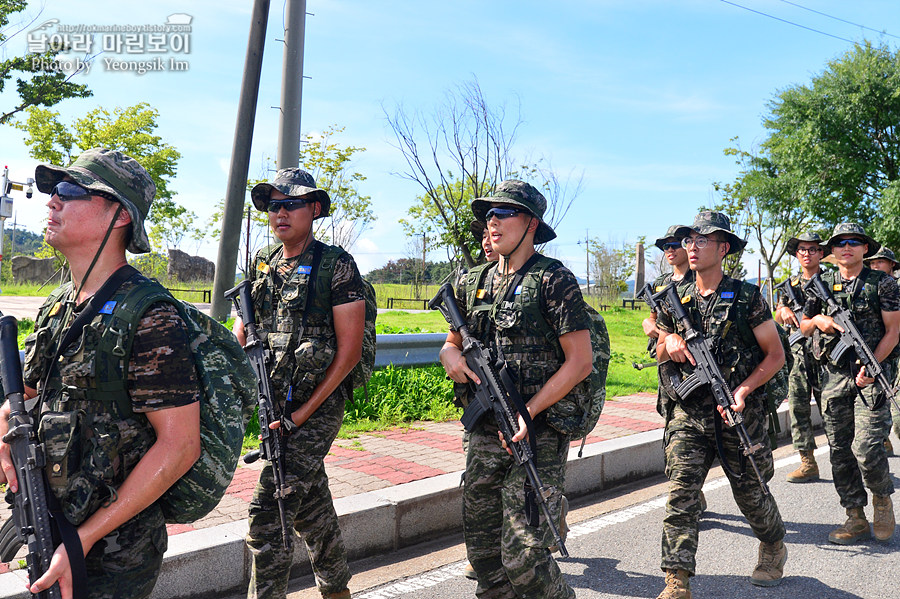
(227, 400)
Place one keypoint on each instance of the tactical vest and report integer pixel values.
(725, 325)
(300, 334)
(92, 438)
(860, 297)
(520, 331)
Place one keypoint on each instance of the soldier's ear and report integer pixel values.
(317, 209)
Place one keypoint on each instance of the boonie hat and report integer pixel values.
(111, 172)
(709, 221)
(523, 195)
(294, 182)
(794, 242)
(854, 230)
(679, 232)
(885, 254)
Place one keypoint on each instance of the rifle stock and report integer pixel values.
(271, 443)
(31, 508)
(795, 306)
(497, 394)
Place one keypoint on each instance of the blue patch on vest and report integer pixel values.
(304, 270)
(727, 294)
(519, 290)
(108, 307)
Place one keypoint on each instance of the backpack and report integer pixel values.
(324, 272)
(228, 397)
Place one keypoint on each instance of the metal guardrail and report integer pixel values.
(407, 349)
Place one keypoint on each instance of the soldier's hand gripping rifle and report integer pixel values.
(707, 372)
(795, 305)
(498, 394)
(31, 508)
(271, 442)
(851, 337)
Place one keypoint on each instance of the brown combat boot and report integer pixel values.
(469, 572)
(678, 585)
(854, 529)
(770, 566)
(345, 594)
(883, 523)
(808, 470)
(563, 525)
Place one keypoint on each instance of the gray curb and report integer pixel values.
(384, 520)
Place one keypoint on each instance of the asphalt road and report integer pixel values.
(615, 542)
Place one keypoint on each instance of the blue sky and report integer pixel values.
(641, 96)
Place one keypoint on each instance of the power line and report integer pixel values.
(837, 37)
(839, 19)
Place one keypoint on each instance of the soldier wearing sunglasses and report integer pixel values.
(309, 301)
(854, 430)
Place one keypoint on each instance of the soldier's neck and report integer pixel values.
(109, 262)
(850, 271)
(707, 281)
(295, 249)
(808, 272)
(679, 271)
(516, 260)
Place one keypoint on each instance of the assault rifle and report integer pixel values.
(271, 442)
(851, 337)
(707, 372)
(498, 394)
(31, 508)
(795, 304)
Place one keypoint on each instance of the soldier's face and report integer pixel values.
(708, 256)
(80, 223)
(674, 253)
(292, 226)
(506, 233)
(882, 264)
(849, 254)
(809, 254)
(489, 254)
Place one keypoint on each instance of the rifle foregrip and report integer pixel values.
(243, 301)
(10, 367)
(451, 311)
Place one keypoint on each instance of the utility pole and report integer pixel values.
(291, 85)
(236, 191)
(587, 260)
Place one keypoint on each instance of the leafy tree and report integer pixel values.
(610, 267)
(460, 153)
(838, 140)
(35, 85)
(129, 130)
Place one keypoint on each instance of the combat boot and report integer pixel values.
(563, 525)
(678, 585)
(883, 523)
(469, 572)
(888, 447)
(854, 529)
(345, 594)
(808, 470)
(770, 566)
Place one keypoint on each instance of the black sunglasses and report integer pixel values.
(671, 245)
(854, 243)
(67, 191)
(289, 205)
(502, 213)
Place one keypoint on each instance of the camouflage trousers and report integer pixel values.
(309, 508)
(856, 436)
(690, 446)
(804, 383)
(509, 556)
(126, 563)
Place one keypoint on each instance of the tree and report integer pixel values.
(839, 140)
(129, 130)
(39, 84)
(458, 154)
(611, 267)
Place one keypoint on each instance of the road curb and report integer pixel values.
(214, 561)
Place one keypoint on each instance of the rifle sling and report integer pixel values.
(720, 448)
(69, 535)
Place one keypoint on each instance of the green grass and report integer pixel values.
(410, 322)
(385, 290)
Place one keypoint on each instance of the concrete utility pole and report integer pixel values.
(236, 191)
(639, 269)
(291, 85)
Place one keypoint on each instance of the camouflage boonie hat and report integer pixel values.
(679, 232)
(854, 230)
(518, 193)
(111, 172)
(294, 182)
(476, 228)
(708, 222)
(884, 254)
(809, 237)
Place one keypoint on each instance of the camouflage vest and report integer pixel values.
(299, 334)
(529, 344)
(91, 437)
(724, 322)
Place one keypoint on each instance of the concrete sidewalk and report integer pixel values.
(392, 489)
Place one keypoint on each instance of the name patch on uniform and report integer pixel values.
(480, 293)
(108, 307)
(263, 267)
(728, 295)
(55, 309)
(304, 270)
(837, 287)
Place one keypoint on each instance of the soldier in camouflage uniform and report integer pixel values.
(855, 430)
(804, 381)
(677, 258)
(885, 261)
(748, 353)
(148, 432)
(509, 552)
(314, 331)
